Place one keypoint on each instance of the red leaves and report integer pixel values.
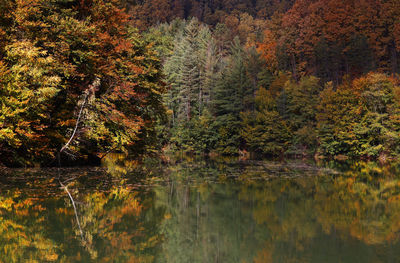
(268, 49)
(54, 57)
(123, 46)
(309, 22)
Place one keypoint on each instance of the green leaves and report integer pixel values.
(360, 119)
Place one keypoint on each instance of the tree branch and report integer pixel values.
(75, 210)
(90, 90)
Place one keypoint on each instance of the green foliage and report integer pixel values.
(77, 81)
(231, 97)
(284, 118)
(360, 118)
(300, 111)
(228, 88)
(264, 130)
(190, 71)
(196, 136)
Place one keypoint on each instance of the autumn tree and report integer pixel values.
(360, 118)
(331, 39)
(81, 82)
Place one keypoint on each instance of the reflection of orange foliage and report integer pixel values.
(366, 208)
(264, 255)
(133, 209)
(64, 210)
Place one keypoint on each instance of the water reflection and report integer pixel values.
(202, 211)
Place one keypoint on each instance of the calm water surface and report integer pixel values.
(201, 211)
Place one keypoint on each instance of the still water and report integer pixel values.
(201, 211)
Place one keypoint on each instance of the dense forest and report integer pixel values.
(80, 79)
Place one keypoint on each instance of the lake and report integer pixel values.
(197, 210)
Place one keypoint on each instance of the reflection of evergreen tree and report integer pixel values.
(206, 225)
(202, 214)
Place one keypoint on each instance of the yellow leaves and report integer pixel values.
(6, 204)
(32, 70)
(167, 216)
(51, 257)
(3, 71)
(30, 85)
(64, 211)
(7, 224)
(46, 93)
(25, 50)
(8, 135)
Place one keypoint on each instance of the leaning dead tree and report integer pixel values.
(88, 95)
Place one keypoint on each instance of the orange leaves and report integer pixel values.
(124, 46)
(268, 49)
(54, 51)
(125, 91)
(340, 25)
(68, 123)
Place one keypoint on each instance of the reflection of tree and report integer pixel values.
(203, 217)
(40, 226)
(113, 222)
(299, 215)
(205, 211)
(119, 165)
(204, 224)
(364, 202)
(21, 238)
(283, 211)
(272, 212)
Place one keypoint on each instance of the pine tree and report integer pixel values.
(191, 71)
(230, 100)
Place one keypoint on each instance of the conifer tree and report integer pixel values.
(230, 99)
(191, 71)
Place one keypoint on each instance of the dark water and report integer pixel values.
(202, 211)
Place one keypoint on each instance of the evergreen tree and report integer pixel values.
(231, 94)
(300, 113)
(186, 71)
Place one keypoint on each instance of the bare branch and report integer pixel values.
(89, 91)
(75, 210)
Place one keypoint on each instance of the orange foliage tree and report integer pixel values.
(80, 76)
(333, 38)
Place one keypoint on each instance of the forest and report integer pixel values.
(277, 78)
